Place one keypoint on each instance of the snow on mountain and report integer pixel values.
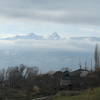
(25, 36)
(54, 36)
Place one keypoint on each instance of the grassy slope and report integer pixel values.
(83, 96)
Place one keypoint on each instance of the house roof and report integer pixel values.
(78, 72)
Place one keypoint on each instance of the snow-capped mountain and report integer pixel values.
(54, 36)
(33, 36)
(25, 36)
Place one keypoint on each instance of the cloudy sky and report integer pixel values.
(72, 17)
(42, 17)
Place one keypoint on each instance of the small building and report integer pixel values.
(79, 73)
(65, 82)
(78, 78)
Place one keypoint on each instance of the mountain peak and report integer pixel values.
(54, 36)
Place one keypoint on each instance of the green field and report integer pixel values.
(85, 95)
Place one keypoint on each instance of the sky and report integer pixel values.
(71, 17)
(67, 18)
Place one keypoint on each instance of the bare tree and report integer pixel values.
(97, 57)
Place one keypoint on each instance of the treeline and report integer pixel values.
(93, 77)
(28, 80)
(18, 76)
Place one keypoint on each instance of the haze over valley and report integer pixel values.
(50, 52)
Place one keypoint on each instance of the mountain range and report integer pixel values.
(53, 36)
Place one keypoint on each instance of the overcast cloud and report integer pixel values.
(59, 11)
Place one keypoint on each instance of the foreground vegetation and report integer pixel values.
(85, 95)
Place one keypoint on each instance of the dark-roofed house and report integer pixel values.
(78, 78)
(65, 82)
